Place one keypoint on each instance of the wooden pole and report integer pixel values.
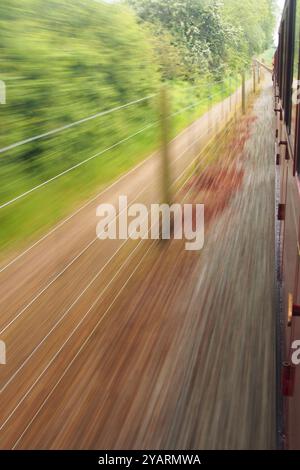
(223, 98)
(236, 95)
(165, 136)
(209, 104)
(244, 92)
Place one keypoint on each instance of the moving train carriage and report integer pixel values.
(287, 74)
(287, 99)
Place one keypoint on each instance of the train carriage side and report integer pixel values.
(286, 74)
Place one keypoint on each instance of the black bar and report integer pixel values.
(134, 459)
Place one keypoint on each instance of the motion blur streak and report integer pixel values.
(137, 343)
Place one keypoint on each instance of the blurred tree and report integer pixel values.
(215, 36)
(65, 60)
(255, 22)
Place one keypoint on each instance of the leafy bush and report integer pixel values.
(64, 60)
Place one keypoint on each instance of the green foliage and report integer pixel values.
(215, 37)
(255, 21)
(268, 56)
(64, 60)
(70, 63)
